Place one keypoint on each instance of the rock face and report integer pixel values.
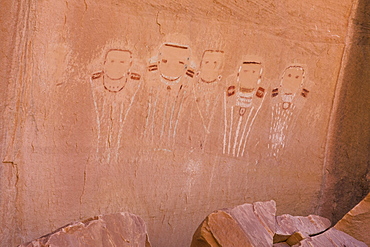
(171, 109)
(357, 221)
(121, 229)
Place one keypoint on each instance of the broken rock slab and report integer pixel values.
(357, 221)
(293, 229)
(307, 225)
(331, 238)
(257, 221)
(120, 229)
(255, 225)
(245, 225)
(220, 229)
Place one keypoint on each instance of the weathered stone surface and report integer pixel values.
(120, 229)
(357, 221)
(220, 229)
(287, 224)
(244, 225)
(256, 225)
(257, 221)
(266, 212)
(283, 244)
(295, 238)
(332, 237)
(64, 163)
(290, 240)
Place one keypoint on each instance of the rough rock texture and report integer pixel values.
(283, 244)
(257, 221)
(357, 221)
(331, 238)
(256, 225)
(171, 109)
(244, 225)
(290, 239)
(121, 229)
(347, 169)
(313, 224)
(220, 229)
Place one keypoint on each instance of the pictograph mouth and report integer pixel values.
(170, 78)
(206, 81)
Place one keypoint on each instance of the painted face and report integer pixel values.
(173, 60)
(211, 65)
(292, 80)
(248, 76)
(117, 64)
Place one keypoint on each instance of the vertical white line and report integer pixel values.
(171, 119)
(109, 141)
(225, 123)
(274, 124)
(152, 127)
(245, 137)
(125, 112)
(97, 114)
(170, 134)
(177, 120)
(120, 127)
(198, 108)
(251, 125)
(231, 128)
(149, 111)
(237, 134)
(164, 117)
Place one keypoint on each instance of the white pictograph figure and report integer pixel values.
(113, 90)
(242, 102)
(288, 99)
(168, 87)
(207, 90)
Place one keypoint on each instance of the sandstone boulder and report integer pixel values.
(120, 229)
(220, 229)
(255, 225)
(357, 221)
(257, 221)
(245, 225)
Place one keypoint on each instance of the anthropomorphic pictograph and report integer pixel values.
(169, 73)
(287, 101)
(114, 90)
(242, 102)
(206, 100)
(207, 89)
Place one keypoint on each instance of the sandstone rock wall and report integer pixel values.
(166, 109)
(347, 168)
